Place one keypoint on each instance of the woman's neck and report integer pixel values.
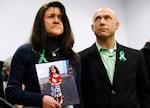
(54, 42)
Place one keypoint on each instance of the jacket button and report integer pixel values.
(113, 92)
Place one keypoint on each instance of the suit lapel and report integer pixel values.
(98, 64)
(118, 65)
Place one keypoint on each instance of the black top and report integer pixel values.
(23, 71)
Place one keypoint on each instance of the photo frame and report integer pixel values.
(68, 89)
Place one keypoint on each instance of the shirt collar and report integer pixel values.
(100, 47)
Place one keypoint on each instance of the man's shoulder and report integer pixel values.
(128, 50)
(146, 48)
(87, 50)
(84, 51)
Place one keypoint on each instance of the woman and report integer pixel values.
(51, 39)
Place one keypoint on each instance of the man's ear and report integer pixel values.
(92, 27)
(117, 24)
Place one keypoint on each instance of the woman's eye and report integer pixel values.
(50, 16)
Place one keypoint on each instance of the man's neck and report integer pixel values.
(108, 44)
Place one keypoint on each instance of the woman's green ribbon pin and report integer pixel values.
(42, 58)
(122, 57)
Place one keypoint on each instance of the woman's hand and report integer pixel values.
(50, 102)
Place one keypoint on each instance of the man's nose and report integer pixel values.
(102, 20)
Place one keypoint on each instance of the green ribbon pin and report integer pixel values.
(42, 58)
(122, 57)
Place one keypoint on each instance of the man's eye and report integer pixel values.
(107, 17)
(97, 18)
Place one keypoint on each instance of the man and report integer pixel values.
(113, 76)
(146, 52)
(1, 81)
(3, 102)
(6, 70)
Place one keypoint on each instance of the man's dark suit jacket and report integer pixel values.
(130, 83)
(146, 52)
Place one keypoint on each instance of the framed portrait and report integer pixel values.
(57, 80)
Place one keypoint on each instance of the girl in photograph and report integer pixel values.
(55, 80)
